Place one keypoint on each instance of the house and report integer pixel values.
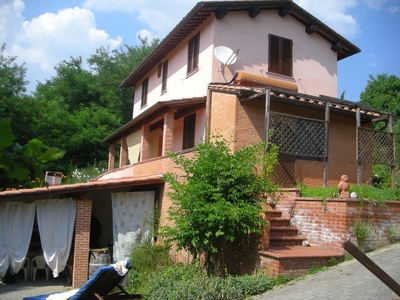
(242, 69)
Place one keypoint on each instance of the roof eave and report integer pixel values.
(188, 24)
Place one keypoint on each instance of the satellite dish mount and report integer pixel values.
(226, 56)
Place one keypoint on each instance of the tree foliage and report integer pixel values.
(22, 162)
(383, 92)
(215, 202)
(75, 109)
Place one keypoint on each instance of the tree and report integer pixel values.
(23, 162)
(383, 92)
(12, 77)
(215, 204)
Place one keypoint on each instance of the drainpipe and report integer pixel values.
(208, 114)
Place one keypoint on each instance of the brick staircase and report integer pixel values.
(286, 256)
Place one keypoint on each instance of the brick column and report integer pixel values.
(82, 237)
(168, 130)
(111, 157)
(123, 152)
(144, 149)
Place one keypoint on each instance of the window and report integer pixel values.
(189, 124)
(145, 88)
(280, 55)
(164, 76)
(193, 54)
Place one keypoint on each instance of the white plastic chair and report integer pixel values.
(38, 263)
(26, 268)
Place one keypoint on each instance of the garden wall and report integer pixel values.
(328, 224)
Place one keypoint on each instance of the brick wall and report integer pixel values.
(82, 237)
(223, 115)
(329, 224)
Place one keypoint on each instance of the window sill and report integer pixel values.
(192, 72)
(280, 75)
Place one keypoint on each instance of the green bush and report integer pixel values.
(190, 282)
(361, 229)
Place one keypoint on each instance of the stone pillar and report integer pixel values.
(82, 238)
(266, 215)
(123, 153)
(144, 149)
(111, 157)
(168, 130)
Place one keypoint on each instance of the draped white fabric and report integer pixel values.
(16, 223)
(56, 220)
(132, 214)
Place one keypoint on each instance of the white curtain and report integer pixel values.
(16, 223)
(56, 220)
(132, 214)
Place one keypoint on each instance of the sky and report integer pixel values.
(42, 33)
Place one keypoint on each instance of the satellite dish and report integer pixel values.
(226, 56)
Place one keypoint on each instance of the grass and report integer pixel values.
(364, 193)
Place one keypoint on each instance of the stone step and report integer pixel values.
(283, 231)
(286, 240)
(279, 222)
(274, 214)
(297, 260)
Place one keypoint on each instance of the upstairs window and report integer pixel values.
(193, 54)
(280, 55)
(189, 125)
(145, 89)
(164, 76)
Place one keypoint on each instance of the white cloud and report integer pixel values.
(50, 38)
(394, 9)
(375, 4)
(10, 18)
(145, 34)
(155, 14)
(334, 13)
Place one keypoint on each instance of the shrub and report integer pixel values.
(190, 282)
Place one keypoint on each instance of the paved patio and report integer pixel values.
(22, 288)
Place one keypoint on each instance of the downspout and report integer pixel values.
(208, 114)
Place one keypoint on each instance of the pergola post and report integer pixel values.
(359, 169)
(327, 120)
(267, 117)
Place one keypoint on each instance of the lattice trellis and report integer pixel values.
(285, 171)
(298, 136)
(376, 147)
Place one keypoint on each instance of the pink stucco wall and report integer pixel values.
(314, 63)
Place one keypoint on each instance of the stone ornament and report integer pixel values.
(343, 187)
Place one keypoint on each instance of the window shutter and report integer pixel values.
(273, 62)
(189, 126)
(164, 76)
(287, 57)
(190, 56)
